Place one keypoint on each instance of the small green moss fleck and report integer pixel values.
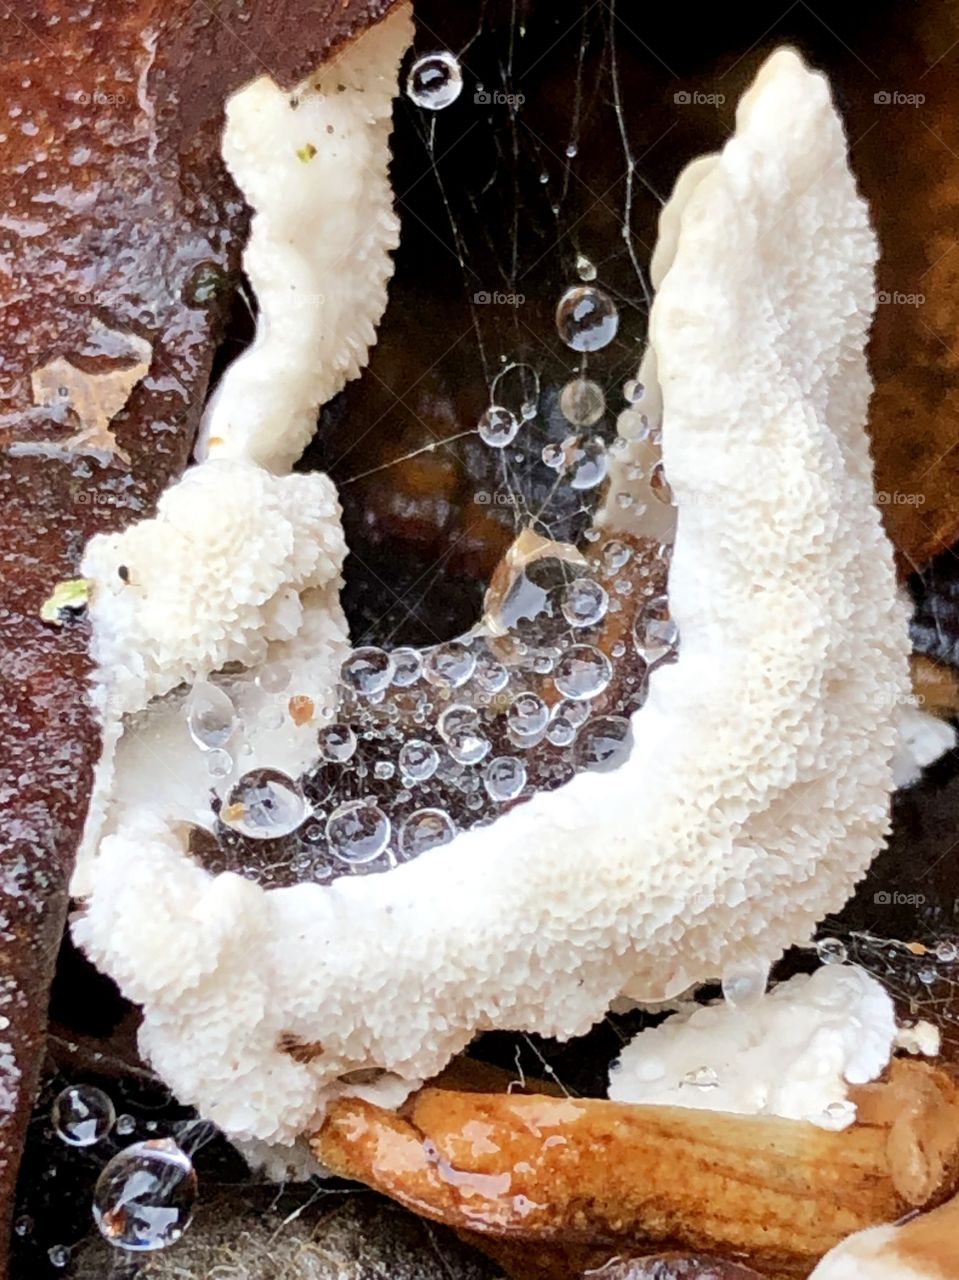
(306, 153)
(73, 595)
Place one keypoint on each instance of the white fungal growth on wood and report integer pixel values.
(757, 789)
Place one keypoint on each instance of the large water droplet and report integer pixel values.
(357, 831)
(582, 672)
(418, 760)
(367, 671)
(407, 666)
(498, 427)
(435, 80)
(425, 829)
(584, 603)
(144, 1196)
(585, 267)
(654, 632)
(701, 1078)
(586, 318)
(82, 1115)
(582, 402)
(588, 463)
(604, 743)
(831, 951)
(744, 982)
(505, 778)
(449, 664)
(210, 716)
(527, 716)
(264, 805)
(614, 555)
(490, 675)
(337, 743)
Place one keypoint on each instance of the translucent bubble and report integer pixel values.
(831, 951)
(337, 743)
(633, 391)
(450, 664)
(554, 455)
(584, 603)
(947, 953)
(582, 672)
(744, 983)
(466, 744)
(274, 678)
(561, 731)
(655, 634)
(384, 770)
(264, 805)
(425, 829)
(357, 831)
(407, 666)
(418, 760)
(588, 464)
(604, 743)
(144, 1196)
(585, 268)
(614, 555)
(505, 778)
(210, 716)
(82, 1115)
(59, 1255)
(498, 427)
(367, 670)
(577, 713)
(701, 1078)
(582, 402)
(435, 80)
(219, 763)
(490, 674)
(659, 485)
(528, 715)
(125, 1125)
(586, 318)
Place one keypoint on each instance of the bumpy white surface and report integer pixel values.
(319, 257)
(757, 789)
(790, 1055)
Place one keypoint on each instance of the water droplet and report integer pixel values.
(831, 951)
(219, 763)
(584, 603)
(82, 1115)
(586, 318)
(577, 713)
(744, 983)
(582, 672)
(418, 760)
(633, 391)
(582, 402)
(655, 634)
(571, 151)
(357, 831)
(367, 670)
(435, 80)
(585, 268)
(701, 1078)
(947, 953)
(660, 485)
(561, 731)
(144, 1196)
(274, 678)
(210, 716)
(614, 555)
(337, 743)
(498, 427)
(125, 1125)
(384, 770)
(505, 778)
(466, 744)
(588, 463)
(490, 674)
(838, 1115)
(528, 715)
(604, 743)
(554, 455)
(23, 1226)
(425, 829)
(927, 976)
(450, 664)
(59, 1255)
(264, 805)
(407, 666)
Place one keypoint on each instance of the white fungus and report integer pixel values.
(756, 790)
